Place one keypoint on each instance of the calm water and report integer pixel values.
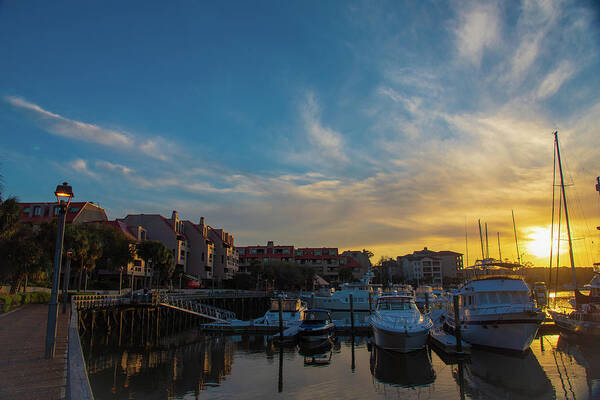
(195, 365)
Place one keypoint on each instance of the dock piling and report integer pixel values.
(352, 314)
(280, 303)
(457, 332)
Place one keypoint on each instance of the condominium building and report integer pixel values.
(78, 212)
(201, 258)
(225, 260)
(427, 266)
(169, 232)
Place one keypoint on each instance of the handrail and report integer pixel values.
(78, 383)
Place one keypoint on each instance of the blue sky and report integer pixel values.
(385, 125)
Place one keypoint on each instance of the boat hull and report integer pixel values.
(399, 341)
(315, 334)
(583, 330)
(513, 331)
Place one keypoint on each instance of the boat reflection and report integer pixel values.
(586, 355)
(494, 375)
(316, 353)
(402, 369)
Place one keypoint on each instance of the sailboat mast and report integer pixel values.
(487, 247)
(564, 196)
(481, 241)
(552, 228)
(516, 241)
(499, 251)
(466, 245)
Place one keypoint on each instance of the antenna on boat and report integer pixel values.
(466, 245)
(487, 247)
(564, 196)
(516, 241)
(481, 240)
(499, 251)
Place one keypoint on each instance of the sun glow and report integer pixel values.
(537, 242)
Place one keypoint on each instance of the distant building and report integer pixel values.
(201, 259)
(431, 267)
(78, 212)
(169, 232)
(325, 261)
(225, 259)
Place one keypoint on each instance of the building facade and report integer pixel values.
(78, 212)
(325, 261)
(430, 267)
(225, 260)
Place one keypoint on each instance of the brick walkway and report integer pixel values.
(24, 372)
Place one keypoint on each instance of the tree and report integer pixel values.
(10, 211)
(20, 256)
(161, 258)
(368, 253)
(117, 249)
(85, 243)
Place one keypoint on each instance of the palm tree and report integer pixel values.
(10, 212)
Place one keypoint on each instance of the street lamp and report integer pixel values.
(64, 194)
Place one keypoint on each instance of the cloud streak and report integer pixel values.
(59, 125)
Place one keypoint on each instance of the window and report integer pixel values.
(27, 210)
(182, 253)
(56, 210)
(317, 252)
(241, 251)
(143, 235)
(286, 251)
(74, 209)
(37, 210)
(252, 251)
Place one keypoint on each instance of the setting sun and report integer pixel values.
(537, 242)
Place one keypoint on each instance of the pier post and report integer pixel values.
(352, 314)
(457, 324)
(370, 303)
(312, 301)
(426, 301)
(280, 383)
(280, 303)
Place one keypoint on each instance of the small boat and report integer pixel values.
(316, 325)
(292, 311)
(540, 292)
(398, 324)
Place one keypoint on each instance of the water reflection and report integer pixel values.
(587, 356)
(316, 353)
(493, 375)
(402, 369)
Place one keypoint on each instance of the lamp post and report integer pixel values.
(66, 278)
(64, 194)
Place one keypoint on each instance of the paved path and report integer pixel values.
(24, 372)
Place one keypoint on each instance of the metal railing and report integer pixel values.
(78, 384)
(194, 307)
(98, 300)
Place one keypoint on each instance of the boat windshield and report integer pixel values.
(395, 305)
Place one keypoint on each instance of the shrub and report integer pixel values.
(8, 301)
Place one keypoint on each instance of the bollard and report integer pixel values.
(426, 301)
(280, 320)
(457, 322)
(352, 314)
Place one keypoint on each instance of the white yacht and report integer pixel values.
(339, 300)
(292, 312)
(398, 324)
(496, 309)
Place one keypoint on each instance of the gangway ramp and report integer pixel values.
(196, 308)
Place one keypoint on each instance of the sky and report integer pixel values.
(390, 126)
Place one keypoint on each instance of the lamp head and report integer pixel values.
(64, 193)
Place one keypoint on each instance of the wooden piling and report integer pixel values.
(370, 302)
(457, 326)
(280, 319)
(426, 301)
(352, 313)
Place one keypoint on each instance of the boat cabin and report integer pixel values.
(395, 303)
(488, 291)
(316, 315)
(287, 305)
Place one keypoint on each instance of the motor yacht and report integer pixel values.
(316, 325)
(398, 324)
(495, 308)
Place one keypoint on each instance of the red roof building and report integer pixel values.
(78, 212)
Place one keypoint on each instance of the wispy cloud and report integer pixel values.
(81, 166)
(479, 28)
(555, 79)
(59, 125)
(121, 169)
(328, 142)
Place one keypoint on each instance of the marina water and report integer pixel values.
(193, 364)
